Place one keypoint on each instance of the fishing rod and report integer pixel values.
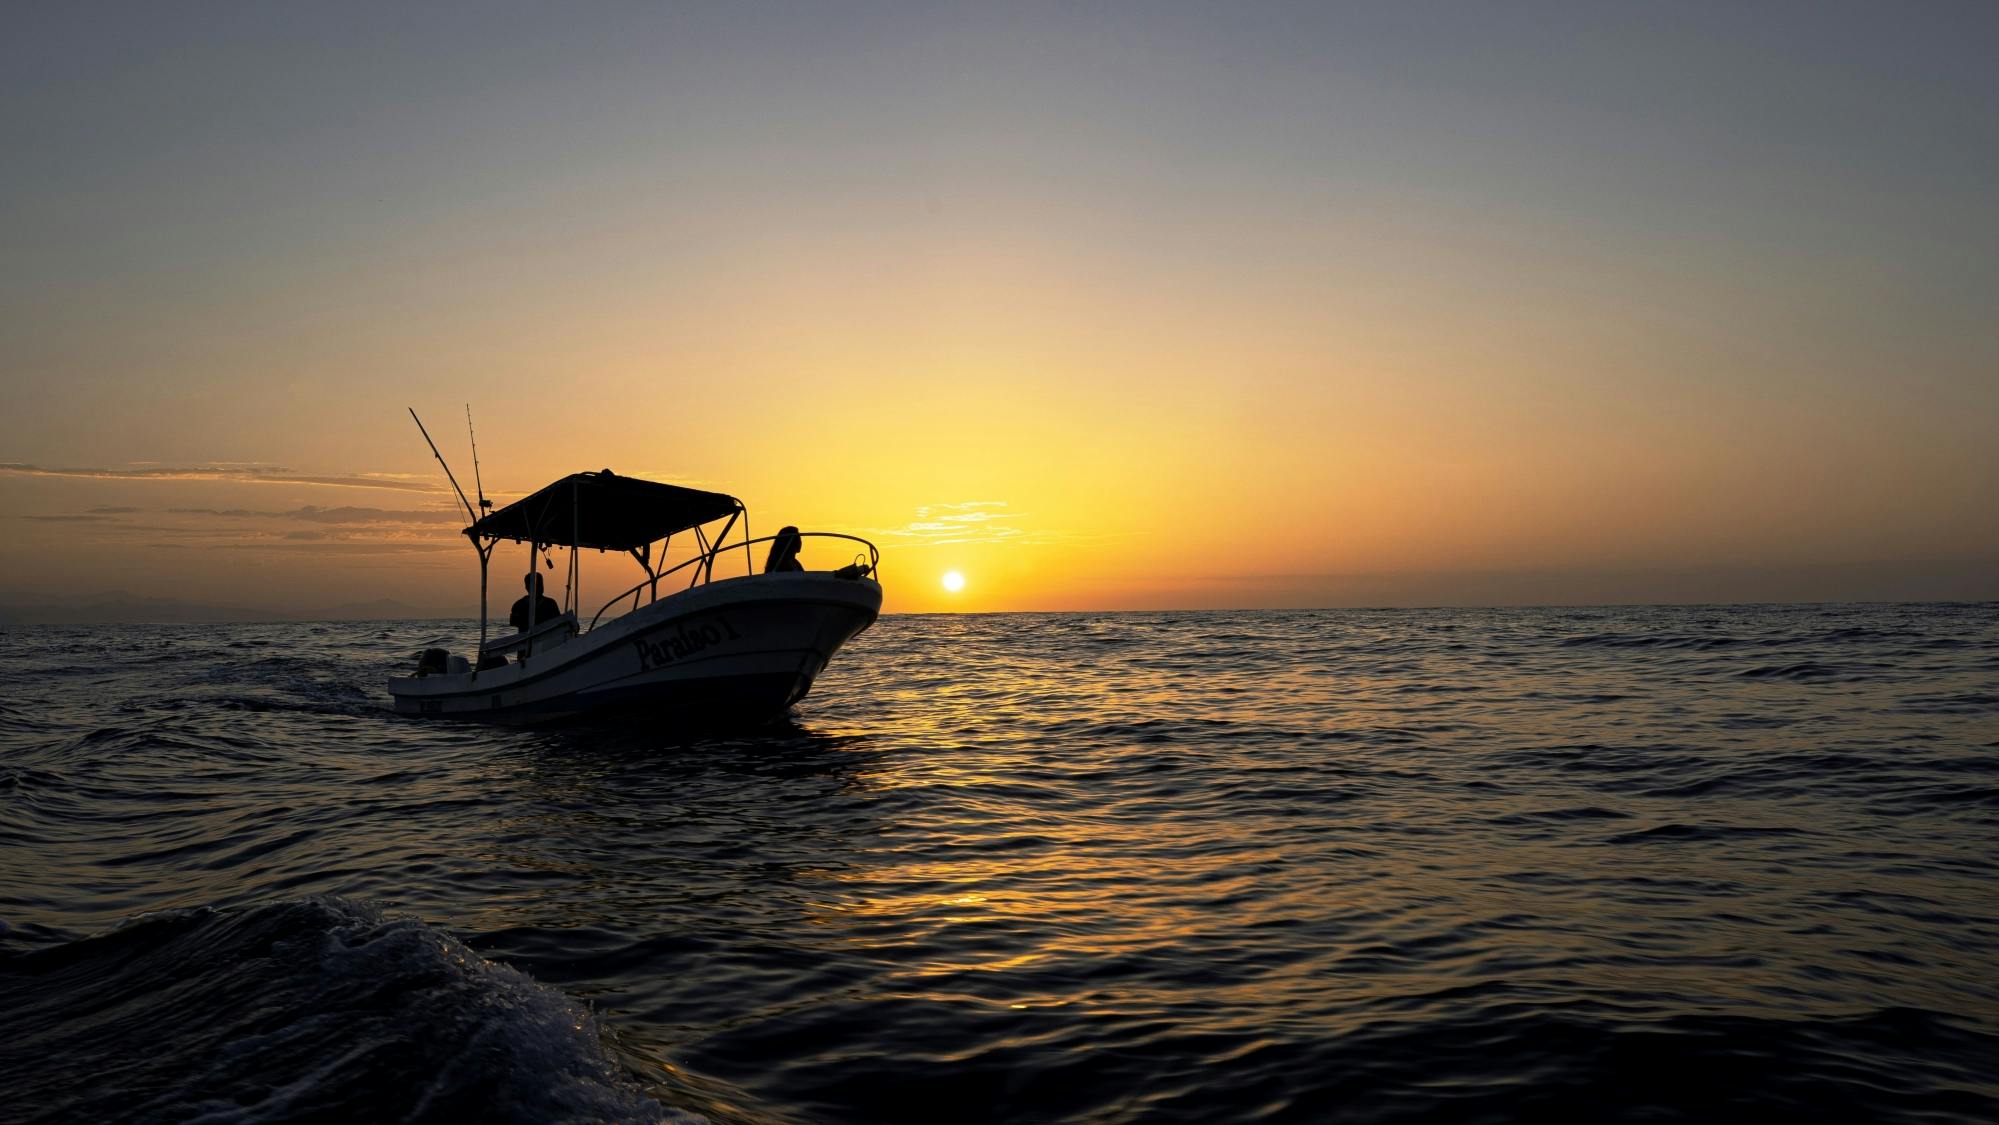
(476, 482)
(447, 468)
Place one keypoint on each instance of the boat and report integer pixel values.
(683, 645)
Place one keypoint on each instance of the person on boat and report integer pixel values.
(536, 608)
(784, 548)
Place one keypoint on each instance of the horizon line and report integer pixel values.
(5, 623)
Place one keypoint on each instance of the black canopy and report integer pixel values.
(604, 510)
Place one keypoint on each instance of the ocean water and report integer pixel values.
(1674, 864)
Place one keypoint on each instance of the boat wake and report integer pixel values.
(308, 1009)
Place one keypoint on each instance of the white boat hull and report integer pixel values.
(734, 650)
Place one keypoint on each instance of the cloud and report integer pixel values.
(345, 547)
(959, 519)
(332, 541)
(343, 515)
(969, 511)
(384, 531)
(244, 474)
(103, 510)
(971, 521)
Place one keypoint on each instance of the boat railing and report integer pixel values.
(704, 567)
(543, 631)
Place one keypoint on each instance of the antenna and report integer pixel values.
(447, 468)
(476, 482)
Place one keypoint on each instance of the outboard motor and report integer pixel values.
(432, 662)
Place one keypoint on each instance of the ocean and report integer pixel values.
(1656, 864)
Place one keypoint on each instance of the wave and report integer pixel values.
(1947, 703)
(1676, 833)
(307, 1009)
(1662, 865)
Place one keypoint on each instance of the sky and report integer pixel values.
(1101, 306)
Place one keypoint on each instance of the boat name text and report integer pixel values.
(689, 640)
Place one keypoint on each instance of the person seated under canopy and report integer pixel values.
(542, 608)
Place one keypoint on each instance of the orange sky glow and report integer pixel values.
(1101, 311)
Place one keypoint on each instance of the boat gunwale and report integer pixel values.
(662, 613)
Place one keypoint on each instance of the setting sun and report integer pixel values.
(953, 581)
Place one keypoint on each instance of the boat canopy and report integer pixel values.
(604, 510)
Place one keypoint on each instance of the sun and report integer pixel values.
(953, 581)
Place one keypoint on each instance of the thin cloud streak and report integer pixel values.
(342, 515)
(261, 474)
(965, 523)
(344, 547)
(346, 527)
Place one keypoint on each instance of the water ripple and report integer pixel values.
(1687, 864)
